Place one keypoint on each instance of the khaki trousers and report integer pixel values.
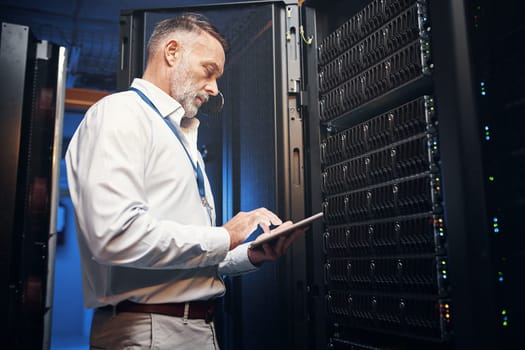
(150, 331)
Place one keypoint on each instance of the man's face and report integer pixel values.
(195, 77)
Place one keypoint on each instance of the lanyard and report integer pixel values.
(197, 168)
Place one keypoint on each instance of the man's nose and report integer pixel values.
(212, 88)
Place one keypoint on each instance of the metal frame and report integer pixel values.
(289, 191)
(55, 193)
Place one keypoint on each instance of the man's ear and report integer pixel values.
(172, 52)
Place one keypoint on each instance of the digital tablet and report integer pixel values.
(278, 232)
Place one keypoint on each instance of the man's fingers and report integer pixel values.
(265, 227)
(269, 251)
(280, 245)
(292, 237)
(265, 218)
(282, 227)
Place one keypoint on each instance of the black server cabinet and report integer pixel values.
(253, 150)
(32, 107)
(420, 109)
(401, 120)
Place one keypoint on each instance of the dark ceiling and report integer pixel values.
(88, 29)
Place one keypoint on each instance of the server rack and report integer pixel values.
(383, 116)
(32, 105)
(410, 143)
(253, 151)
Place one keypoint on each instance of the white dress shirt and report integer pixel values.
(143, 232)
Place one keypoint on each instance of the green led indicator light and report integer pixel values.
(491, 178)
(505, 321)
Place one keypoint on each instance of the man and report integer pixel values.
(152, 258)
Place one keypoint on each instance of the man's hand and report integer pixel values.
(273, 249)
(244, 223)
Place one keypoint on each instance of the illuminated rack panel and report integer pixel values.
(407, 64)
(398, 32)
(401, 123)
(390, 57)
(404, 274)
(409, 128)
(375, 14)
(418, 316)
(385, 238)
(417, 234)
(414, 195)
(395, 161)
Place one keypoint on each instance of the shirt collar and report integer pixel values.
(166, 105)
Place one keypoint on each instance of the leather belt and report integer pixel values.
(203, 310)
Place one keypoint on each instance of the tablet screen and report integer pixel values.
(277, 232)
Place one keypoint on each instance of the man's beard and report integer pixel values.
(183, 91)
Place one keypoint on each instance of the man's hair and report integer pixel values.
(187, 22)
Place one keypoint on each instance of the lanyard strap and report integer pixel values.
(197, 168)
